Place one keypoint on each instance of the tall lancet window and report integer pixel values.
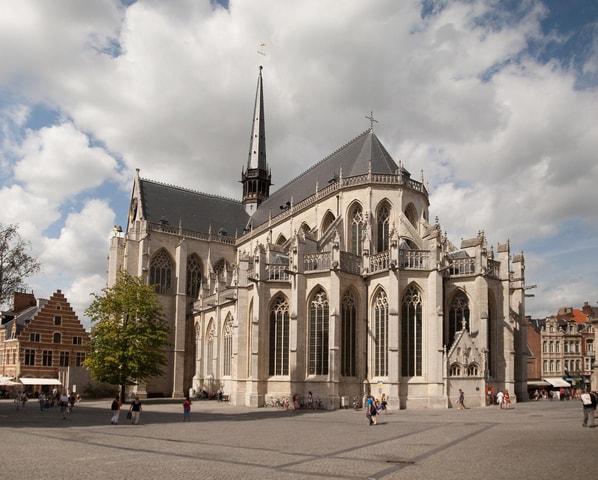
(193, 277)
(210, 348)
(318, 334)
(279, 337)
(161, 272)
(227, 345)
(382, 227)
(356, 230)
(411, 333)
(458, 318)
(348, 335)
(381, 334)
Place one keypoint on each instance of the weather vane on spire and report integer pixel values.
(260, 52)
(372, 120)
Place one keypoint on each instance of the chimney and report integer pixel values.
(22, 301)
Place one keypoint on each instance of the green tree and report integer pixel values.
(15, 263)
(129, 334)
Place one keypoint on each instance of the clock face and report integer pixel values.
(133, 211)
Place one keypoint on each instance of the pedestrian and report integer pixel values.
(310, 401)
(500, 398)
(383, 403)
(135, 410)
(589, 401)
(296, 405)
(187, 410)
(371, 411)
(461, 400)
(72, 401)
(42, 401)
(64, 404)
(507, 399)
(115, 407)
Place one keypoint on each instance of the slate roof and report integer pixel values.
(18, 320)
(195, 211)
(353, 158)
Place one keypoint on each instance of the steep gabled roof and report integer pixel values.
(354, 158)
(193, 210)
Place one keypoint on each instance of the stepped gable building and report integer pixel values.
(39, 339)
(336, 283)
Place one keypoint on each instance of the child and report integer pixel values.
(187, 410)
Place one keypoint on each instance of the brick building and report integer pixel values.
(40, 339)
(561, 349)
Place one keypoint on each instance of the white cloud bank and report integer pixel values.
(507, 142)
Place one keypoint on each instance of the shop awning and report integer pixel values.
(537, 383)
(557, 382)
(39, 381)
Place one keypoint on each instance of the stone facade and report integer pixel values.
(339, 284)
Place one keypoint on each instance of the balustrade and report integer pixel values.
(317, 261)
(414, 259)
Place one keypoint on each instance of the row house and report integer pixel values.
(40, 339)
(561, 349)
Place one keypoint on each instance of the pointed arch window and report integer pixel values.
(210, 349)
(348, 335)
(193, 277)
(381, 334)
(279, 337)
(318, 333)
(220, 269)
(411, 333)
(327, 221)
(161, 273)
(411, 214)
(227, 347)
(357, 226)
(382, 227)
(458, 318)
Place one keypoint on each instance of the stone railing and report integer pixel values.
(414, 259)
(278, 272)
(172, 230)
(379, 262)
(317, 261)
(463, 266)
(333, 188)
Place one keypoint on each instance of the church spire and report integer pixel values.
(256, 179)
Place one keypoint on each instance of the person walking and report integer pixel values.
(589, 401)
(64, 404)
(500, 398)
(135, 410)
(461, 400)
(115, 407)
(187, 410)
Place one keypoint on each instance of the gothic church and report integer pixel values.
(336, 283)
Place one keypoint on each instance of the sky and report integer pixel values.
(496, 102)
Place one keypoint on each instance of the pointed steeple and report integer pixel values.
(256, 178)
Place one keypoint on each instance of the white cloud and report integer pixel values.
(58, 162)
(507, 144)
(82, 246)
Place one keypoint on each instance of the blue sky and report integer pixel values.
(495, 101)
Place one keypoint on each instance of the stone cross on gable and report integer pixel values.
(372, 120)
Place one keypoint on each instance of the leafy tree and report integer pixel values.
(129, 334)
(15, 263)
